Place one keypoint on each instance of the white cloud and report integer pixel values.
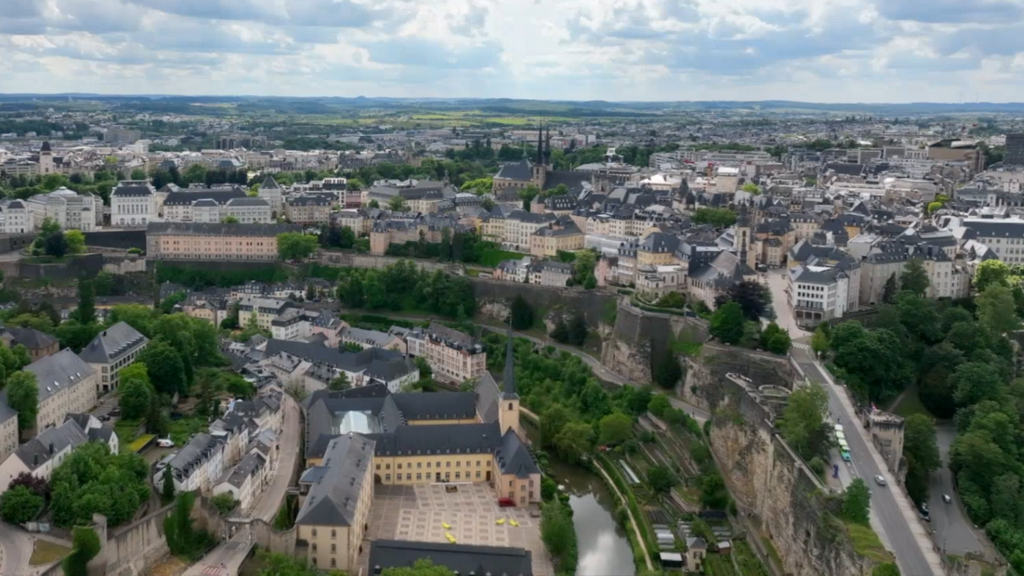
(823, 50)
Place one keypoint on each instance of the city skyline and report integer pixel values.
(845, 51)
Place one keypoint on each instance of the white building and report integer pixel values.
(291, 324)
(818, 294)
(246, 481)
(196, 466)
(133, 203)
(17, 218)
(72, 211)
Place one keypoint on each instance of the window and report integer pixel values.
(314, 560)
(478, 474)
(334, 548)
(334, 533)
(458, 464)
(399, 466)
(387, 477)
(408, 475)
(448, 464)
(387, 466)
(447, 475)
(420, 465)
(428, 465)
(419, 476)
(314, 546)
(334, 563)
(458, 475)
(510, 484)
(378, 466)
(314, 532)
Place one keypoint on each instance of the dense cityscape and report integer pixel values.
(394, 337)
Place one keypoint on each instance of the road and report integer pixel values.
(226, 558)
(896, 515)
(954, 531)
(15, 550)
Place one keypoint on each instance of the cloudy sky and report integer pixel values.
(810, 50)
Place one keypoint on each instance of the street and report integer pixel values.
(895, 513)
(15, 550)
(954, 531)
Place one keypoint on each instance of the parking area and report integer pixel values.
(417, 513)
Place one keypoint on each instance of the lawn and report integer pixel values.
(139, 443)
(44, 553)
(717, 565)
(494, 256)
(909, 404)
(866, 543)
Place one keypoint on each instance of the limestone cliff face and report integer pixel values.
(768, 481)
(638, 336)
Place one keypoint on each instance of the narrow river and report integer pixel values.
(603, 547)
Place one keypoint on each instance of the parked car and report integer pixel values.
(845, 456)
(506, 502)
(165, 442)
(880, 480)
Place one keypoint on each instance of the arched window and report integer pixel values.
(509, 405)
(334, 533)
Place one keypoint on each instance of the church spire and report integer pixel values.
(540, 145)
(547, 144)
(509, 382)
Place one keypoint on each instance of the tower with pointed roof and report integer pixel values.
(271, 191)
(540, 169)
(508, 413)
(46, 160)
(742, 235)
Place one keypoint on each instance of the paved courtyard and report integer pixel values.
(417, 512)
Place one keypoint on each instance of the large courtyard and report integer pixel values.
(418, 512)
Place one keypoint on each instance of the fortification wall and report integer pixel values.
(639, 335)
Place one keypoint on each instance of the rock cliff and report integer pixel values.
(768, 481)
(638, 336)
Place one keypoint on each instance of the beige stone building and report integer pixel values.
(311, 209)
(549, 240)
(110, 351)
(67, 385)
(230, 242)
(454, 356)
(39, 344)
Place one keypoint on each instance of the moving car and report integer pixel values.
(880, 480)
(926, 514)
(947, 498)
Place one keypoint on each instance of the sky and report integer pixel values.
(650, 50)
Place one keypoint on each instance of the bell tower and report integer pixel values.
(508, 412)
(540, 169)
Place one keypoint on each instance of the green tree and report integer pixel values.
(75, 241)
(991, 273)
(165, 368)
(915, 277)
(20, 504)
(554, 420)
(295, 245)
(887, 569)
(819, 340)
(728, 324)
(398, 204)
(522, 313)
(659, 405)
(23, 396)
(558, 533)
(422, 567)
(49, 227)
(717, 217)
(856, 502)
(229, 220)
(134, 396)
(574, 441)
(86, 311)
(167, 485)
(135, 315)
(776, 340)
(223, 502)
(802, 422)
(85, 546)
(666, 370)
(997, 309)
(339, 383)
(75, 335)
(55, 245)
(890, 289)
(973, 382)
(922, 454)
(615, 428)
(751, 188)
(661, 479)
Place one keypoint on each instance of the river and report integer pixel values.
(603, 546)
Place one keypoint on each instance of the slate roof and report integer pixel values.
(575, 181)
(6, 412)
(1006, 228)
(520, 171)
(514, 457)
(31, 338)
(187, 197)
(333, 498)
(458, 558)
(58, 372)
(128, 191)
(487, 397)
(269, 184)
(439, 439)
(247, 201)
(219, 229)
(49, 442)
(110, 344)
(447, 406)
(196, 451)
(250, 465)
